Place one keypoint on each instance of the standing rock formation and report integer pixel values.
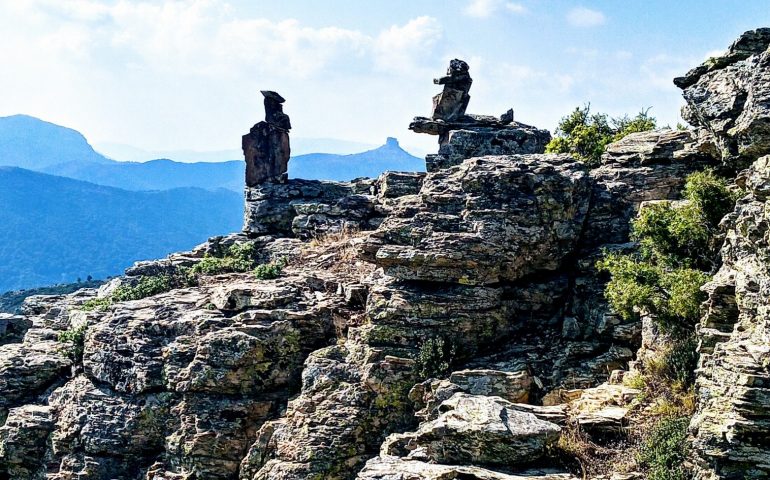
(266, 147)
(451, 103)
(464, 136)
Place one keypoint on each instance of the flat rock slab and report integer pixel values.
(476, 430)
(392, 468)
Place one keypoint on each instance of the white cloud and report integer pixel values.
(400, 48)
(585, 17)
(515, 8)
(186, 73)
(487, 8)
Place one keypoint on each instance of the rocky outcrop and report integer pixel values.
(729, 97)
(266, 147)
(417, 328)
(478, 135)
(488, 220)
(732, 425)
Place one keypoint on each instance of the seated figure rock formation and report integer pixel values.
(451, 103)
(462, 135)
(266, 146)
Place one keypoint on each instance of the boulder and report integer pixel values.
(394, 468)
(476, 430)
(729, 97)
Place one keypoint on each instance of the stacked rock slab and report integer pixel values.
(462, 136)
(732, 425)
(729, 97)
(266, 147)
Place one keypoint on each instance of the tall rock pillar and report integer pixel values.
(266, 146)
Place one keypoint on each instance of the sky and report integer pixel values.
(186, 74)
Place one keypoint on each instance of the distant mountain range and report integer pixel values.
(371, 163)
(67, 211)
(56, 229)
(28, 142)
(299, 146)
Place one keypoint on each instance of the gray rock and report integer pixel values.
(266, 147)
(310, 208)
(13, 327)
(453, 100)
(729, 96)
(511, 386)
(476, 430)
(399, 184)
(394, 468)
(23, 440)
(732, 423)
(487, 220)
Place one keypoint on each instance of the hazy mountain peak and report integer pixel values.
(29, 142)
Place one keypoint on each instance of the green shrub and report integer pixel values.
(96, 304)
(675, 236)
(672, 296)
(665, 450)
(145, 287)
(626, 125)
(76, 337)
(677, 248)
(711, 195)
(237, 258)
(586, 135)
(435, 358)
(268, 271)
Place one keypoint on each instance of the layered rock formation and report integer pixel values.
(729, 97)
(425, 326)
(732, 425)
(266, 147)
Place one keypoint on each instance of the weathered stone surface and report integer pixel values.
(453, 100)
(469, 140)
(476, 430)
(308, 208)
(729, 96)
(487, 220)
(23, 440)
(511, 386)
(266, 147)
(28, 369)
(399, 184)
(732, 424)
(13, 328)
(174, 342)
(394, 468)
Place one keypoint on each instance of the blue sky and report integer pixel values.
(169, 75)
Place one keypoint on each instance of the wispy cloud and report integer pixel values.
(585, 17)
(487, 8)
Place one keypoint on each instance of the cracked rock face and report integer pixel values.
(732, 424)
(729, 96)
(476, 430)
(487, 220)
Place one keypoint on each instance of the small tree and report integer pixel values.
(586, 135)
